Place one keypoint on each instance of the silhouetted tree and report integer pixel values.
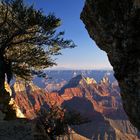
(28, 40)
(57, 121)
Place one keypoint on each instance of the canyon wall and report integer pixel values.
(115, 27)
(99, 102)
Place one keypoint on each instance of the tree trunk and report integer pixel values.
(4, 95)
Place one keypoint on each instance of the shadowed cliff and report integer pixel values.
(115, 27)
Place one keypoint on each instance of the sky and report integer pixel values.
(86, 55)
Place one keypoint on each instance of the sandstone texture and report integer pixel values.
(115, 27)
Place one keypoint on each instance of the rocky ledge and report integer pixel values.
(15, 130)
(115, 27)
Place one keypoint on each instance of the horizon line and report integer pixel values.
(78, 69)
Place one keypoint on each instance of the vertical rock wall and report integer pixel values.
(115, 27)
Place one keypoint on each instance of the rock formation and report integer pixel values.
(115, 27)
(100, 102)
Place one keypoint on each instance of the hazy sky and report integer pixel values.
(86, 55)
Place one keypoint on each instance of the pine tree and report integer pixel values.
(28, 40)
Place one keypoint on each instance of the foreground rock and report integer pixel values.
(115, 26)
(20, 129)
(15, 130)
(23, 129)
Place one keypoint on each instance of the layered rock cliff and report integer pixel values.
(115, 27)
(99, 102)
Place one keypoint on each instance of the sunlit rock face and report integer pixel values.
(29, 98)
(104, 96)
(115, 27)
(12, 102)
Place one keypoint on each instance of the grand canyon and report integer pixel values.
(97, 99)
